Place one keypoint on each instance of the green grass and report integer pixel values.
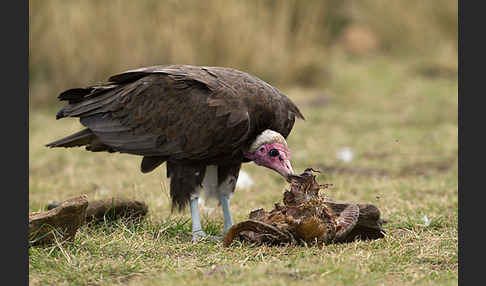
(402, 127)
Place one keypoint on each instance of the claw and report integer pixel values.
(199, 236)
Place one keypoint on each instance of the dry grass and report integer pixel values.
(74, 43)
(402, 127)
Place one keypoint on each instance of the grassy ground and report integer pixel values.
(399, 119)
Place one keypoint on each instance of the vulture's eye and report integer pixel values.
(273, 153)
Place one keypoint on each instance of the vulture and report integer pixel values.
(203, 122)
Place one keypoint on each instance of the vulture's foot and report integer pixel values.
(200, 235)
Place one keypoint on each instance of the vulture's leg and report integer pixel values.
(227, 175)
(197, 231)
(219, 182)
(228, 221)
(185, 186)
(216, 189)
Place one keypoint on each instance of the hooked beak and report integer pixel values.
(285, 169)
(282, 166)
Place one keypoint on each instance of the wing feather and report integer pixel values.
(180, 112)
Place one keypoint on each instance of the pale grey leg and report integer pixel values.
(228, 221)
(225, 191)
(197, 231)
(222, 191)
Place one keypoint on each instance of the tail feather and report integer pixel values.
(81, 138)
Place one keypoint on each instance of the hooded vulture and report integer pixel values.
(203, 122)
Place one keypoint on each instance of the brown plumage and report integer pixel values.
(189, 116)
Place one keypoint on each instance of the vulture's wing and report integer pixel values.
(184, 112)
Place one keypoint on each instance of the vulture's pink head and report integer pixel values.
(270, 150)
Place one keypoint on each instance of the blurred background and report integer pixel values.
(287, 43)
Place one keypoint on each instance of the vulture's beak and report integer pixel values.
(281, 165)
(284, 168)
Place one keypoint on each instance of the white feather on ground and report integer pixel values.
(345, 154)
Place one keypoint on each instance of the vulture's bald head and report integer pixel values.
(270, 150)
